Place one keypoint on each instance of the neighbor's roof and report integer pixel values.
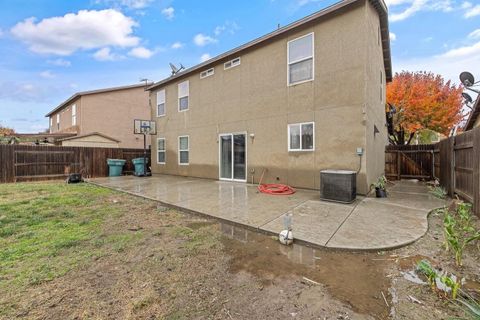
(379, 5)
(84, 93)
(89, 135)
(474, 115)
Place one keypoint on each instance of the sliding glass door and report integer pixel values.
(233, 157)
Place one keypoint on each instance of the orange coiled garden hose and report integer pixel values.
(276, 189)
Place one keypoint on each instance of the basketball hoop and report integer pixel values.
(144, 127)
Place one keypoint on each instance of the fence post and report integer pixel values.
(399, 165)
(476, 171)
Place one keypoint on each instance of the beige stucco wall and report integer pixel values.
(477, 123)
(112, 113)
(66, 118)
(95, 141)
(375, 98)
(254, 98)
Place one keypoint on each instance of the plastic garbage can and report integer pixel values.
(139, 165)
(115, 167)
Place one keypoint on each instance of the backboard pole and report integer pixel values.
(144, 154)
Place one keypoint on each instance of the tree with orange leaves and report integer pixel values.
(5, 131)
(418, 101)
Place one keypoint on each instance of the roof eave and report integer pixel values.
(379, 5)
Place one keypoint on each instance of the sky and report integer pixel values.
(50, 49)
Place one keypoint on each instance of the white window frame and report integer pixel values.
(232, 63)
(164, 103)
(207, 73)
(51, 122)
(164, 151)
(301, 147)
(58, 121)
(74, 115)
(300, 60)
(188, 150)
(179, 97)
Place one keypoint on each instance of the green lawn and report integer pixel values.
(47, 229)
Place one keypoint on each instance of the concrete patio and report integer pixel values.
(367, 224)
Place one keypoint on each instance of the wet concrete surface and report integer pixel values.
(357, 279)
(367, 224)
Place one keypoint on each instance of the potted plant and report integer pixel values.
(380, 187)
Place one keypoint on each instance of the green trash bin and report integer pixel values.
(115, 167)
(139, 165)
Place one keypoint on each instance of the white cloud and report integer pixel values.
(472, 11)
(474, 34)
(411, 7)
(1, 33)
(105, 54)
(177, 45)
(229, 26)
(47, 74)
(60, 62)
(449, 64)
(466, 51)
(72, 32)
(131, 4)
(393, 37)
(169, 13)
(205, 57)
(202, 40)
(141, 53)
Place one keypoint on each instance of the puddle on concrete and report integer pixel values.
(357, 279)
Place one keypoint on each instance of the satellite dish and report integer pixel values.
(467, 79)
(467, 97)
(176, 70)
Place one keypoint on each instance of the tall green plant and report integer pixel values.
(459, 230)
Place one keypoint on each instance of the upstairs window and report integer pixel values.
(207, 73)
(183, 150)
(58, 121)
(232, 63)
(183, 92)
(74, 115)
(301, 136)
(161, 103)
(51, 122)
(300, 59)
(161, 151)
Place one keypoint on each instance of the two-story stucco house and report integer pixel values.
(298, 100)
(102, 118)
(474, 118)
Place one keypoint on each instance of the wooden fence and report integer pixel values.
(455, 162)
(29, 163)
(410, 162)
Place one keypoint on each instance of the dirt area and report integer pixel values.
(177, 266)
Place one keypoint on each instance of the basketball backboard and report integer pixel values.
(144, 127)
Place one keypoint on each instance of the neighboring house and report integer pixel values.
(296, 101)
(474, 119)
(100, 115)
(94, 139)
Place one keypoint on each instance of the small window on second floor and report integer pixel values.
(161, 103)
(58, 121)
(74, 115)
(232, 63)
(207, 73)
(300, 59)
(183, 93)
